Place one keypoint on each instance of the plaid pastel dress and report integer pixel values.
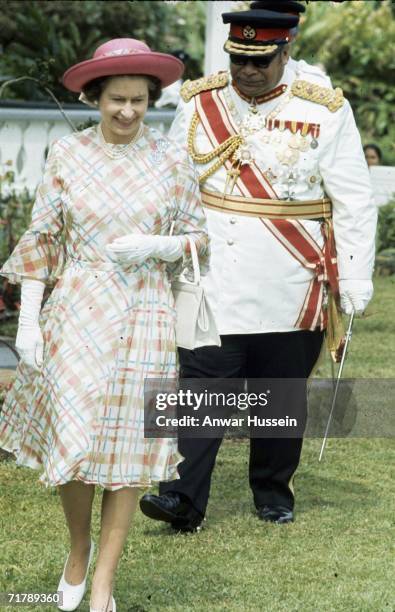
(107, 326)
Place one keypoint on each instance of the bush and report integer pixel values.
(46, 38)
(385, 258)
(15, 211)
(354, 41)
(386, 227)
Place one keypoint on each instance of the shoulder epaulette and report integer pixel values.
(333, 99)
(214, 81)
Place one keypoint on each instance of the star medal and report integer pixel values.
(252, 123)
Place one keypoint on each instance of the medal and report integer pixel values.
(270, 176)
(251, 124)
(293, 142)
(276, 139)
(244, 156)
(303, 144)
(298, 142)
(289, 157)
(314, 134)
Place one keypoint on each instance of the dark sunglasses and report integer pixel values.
(259, 62)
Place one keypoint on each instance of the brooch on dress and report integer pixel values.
(159, 149)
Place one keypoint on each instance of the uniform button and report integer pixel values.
(232, 220)
(230, 242)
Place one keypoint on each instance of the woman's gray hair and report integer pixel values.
(94, 89)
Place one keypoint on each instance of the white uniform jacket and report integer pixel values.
(254, 284)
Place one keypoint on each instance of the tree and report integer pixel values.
(355, 42)
(42, 39)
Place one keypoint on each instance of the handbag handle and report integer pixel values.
(194, 256)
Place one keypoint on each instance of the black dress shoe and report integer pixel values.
(275, 514)
(171, 508)
(190, 523)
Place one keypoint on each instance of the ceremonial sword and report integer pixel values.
(339, 375)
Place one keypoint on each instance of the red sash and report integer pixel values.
(218, 125)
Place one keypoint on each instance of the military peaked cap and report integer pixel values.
(258, 31)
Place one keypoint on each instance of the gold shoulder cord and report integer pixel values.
(224, 151)
(331, 98)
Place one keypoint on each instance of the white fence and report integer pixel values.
(25, 133)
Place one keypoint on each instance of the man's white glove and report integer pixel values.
(355, 295)
(29, 340)
(136, 248)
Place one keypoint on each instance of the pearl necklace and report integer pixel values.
(118, 151)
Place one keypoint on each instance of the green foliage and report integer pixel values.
(386, 227)
(385, 258)
(355, 42)
(15, 211)
(41, 44)
(46, 38)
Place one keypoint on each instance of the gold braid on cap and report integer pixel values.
(240, 49)
(224, 151)
(333, 99)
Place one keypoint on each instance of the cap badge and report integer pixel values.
(249, 32)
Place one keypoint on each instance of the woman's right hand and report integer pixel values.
(30, 345)
(29, 340)
(136, 248)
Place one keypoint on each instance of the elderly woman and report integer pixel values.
(100, 232)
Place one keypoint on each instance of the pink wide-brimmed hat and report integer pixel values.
(124, 56)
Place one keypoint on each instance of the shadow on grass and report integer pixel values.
(312, 493)
(319, 491)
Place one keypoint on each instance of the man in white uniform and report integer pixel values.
(282, 175)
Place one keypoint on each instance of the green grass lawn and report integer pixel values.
(336, 557)
(372, 348)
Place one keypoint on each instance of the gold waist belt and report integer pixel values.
(268, 209)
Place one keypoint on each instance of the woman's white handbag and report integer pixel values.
(195, 326)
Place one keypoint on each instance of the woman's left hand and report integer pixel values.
(136, 248)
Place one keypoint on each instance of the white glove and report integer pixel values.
(355, 295)
(29, 340)
(136, 248)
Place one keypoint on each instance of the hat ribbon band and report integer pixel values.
(237, 31)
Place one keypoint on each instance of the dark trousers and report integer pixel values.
(273, 461)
